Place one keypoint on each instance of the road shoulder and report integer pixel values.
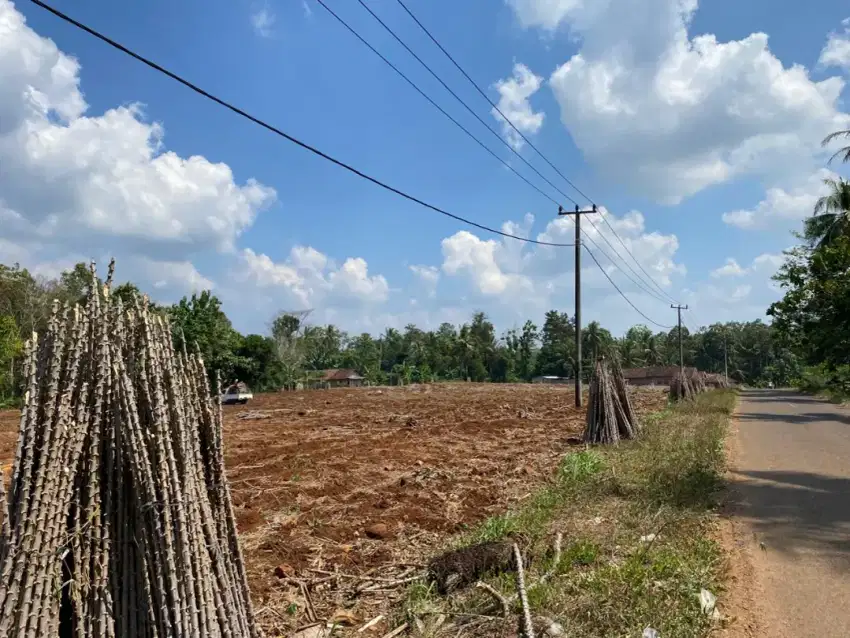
(742, 601)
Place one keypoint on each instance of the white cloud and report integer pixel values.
(429, 277)
(669, 114)
(766, 263)
(730, 269)
(782, 208)
(464, 252)
(77, 185)
(521, 281)
(309, 279)
(547, 14)
(655, 252)
(263, 20)
(180, 275)
(836, 51)
(514, 94)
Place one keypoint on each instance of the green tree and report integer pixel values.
(198, 321)
(557, 350)
(10, 351)
(814, 315)
(831, 215)
(290, 348)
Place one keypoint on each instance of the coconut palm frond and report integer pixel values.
(843, 152)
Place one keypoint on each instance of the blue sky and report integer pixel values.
(684, 113)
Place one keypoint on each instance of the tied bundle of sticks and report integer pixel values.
(119, 520)
(610, 415)
(681, 388)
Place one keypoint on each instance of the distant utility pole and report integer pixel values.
(578, 213)
(725, 357)
(681, 348)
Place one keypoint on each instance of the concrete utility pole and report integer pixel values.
(578, 213)
(725, 357)
(681, 349)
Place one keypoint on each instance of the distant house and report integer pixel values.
(655, 375)
(551, 379)
(340, 378)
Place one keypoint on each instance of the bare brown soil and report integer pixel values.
(373, 480)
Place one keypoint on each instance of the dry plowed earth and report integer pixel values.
(372, 481)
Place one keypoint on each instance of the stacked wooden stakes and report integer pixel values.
(119, 520)
(610, 415)
(685, 387)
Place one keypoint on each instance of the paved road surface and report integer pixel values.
(791, 468)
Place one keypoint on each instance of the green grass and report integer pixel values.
(610, 581)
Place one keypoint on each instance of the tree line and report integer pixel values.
(812, 319)
(294, 350)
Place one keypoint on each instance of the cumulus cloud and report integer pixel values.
(782, 208)
(836, 51)
(514, 94)
(309, 279)
(735, 292)
(766, 263)
(428, 276)
(730, 269)
(504, 271)
(85, 185)
(262, 20)
(669, 114)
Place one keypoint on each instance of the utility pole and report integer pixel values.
(725, 356)
(578, 213)
(681, 349)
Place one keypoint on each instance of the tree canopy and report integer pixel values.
(295, 351)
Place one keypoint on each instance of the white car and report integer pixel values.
(236, 393)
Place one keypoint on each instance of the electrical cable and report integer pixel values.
(622, 294)
(277, 131)
(527, 141)
(314, 150)
(445, 86)
(638, 282)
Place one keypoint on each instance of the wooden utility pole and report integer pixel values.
(681, 349)
(578, 213)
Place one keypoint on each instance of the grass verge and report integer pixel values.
(637, 549)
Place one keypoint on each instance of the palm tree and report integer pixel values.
(593, 338)
(653, 351)
(844, 151)
(831, 216)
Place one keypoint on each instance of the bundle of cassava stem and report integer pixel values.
(118, 520)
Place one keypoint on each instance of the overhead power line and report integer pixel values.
(277, 131)
(153, 65)
(487, 97)
(623, 295)
(636, 280)
(448, 88)
(532, 146)
(432, 102)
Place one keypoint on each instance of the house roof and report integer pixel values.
(340, 374)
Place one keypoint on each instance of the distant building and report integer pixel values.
(655, 375)
(340, 378)
(551, 379)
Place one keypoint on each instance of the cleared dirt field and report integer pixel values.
(373, 481)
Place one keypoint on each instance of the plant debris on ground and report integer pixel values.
(619, 542)
(326, 465)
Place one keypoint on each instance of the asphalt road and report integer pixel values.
(791, 470)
